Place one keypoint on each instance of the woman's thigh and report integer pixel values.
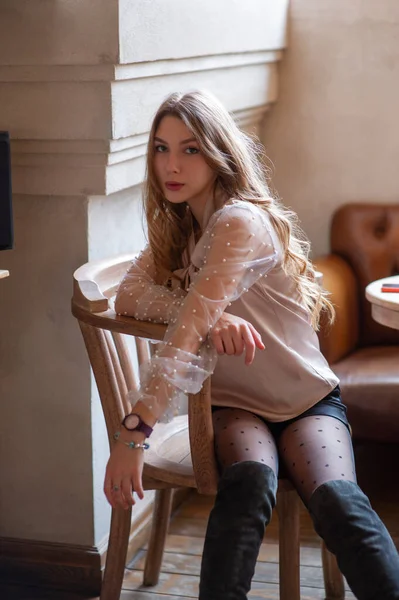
(240, 436)
(314, 450)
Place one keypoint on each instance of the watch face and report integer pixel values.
(132, 421)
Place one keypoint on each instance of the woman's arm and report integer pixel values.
(238, 247)
(139, 296)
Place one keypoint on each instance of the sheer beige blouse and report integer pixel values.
(235, 267)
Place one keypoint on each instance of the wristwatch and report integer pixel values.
(133, 422)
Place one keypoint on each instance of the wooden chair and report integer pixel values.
(181, 452)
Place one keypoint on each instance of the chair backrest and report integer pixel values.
(367, 237)
(103, 331)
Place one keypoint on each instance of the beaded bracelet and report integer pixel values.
(132, 445)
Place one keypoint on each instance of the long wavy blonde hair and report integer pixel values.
(237, 160)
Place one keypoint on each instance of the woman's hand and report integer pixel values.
(231, 334)
(124, 471)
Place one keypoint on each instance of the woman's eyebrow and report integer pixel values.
(158, 139)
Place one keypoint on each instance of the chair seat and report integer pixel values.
(369, 380)
(169, 457)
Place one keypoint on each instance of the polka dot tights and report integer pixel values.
(312, 450)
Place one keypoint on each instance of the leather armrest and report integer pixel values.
(342, 337)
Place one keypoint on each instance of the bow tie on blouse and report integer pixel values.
(183, 277)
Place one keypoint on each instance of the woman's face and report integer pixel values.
(181, 170)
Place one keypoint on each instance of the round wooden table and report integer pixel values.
(384, 306)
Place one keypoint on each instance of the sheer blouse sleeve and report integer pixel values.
(139, 296)
(238, 247)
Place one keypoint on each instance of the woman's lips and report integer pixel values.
(173, 186)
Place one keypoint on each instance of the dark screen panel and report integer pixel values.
(6, 220)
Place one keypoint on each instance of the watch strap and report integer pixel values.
(142, 427)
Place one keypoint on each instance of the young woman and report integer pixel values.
(227, 268)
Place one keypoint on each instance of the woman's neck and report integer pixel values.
(202, 211)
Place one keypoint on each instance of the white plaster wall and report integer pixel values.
(333, 135)
(176, 29)
(124, 233)
(125, 226)
(60, 32)
(45, 445)
(56, 60)
(56, 110)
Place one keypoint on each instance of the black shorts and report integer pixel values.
(330, 406)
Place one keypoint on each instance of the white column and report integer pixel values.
(78, 97)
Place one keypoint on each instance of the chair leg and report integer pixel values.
(116, 554)
(333, 579)
(159, 529)
(289, 544)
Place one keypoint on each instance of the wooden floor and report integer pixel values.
(181, 564)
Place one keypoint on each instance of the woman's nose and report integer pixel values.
(173, 164)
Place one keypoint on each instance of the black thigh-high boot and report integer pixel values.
(243, 507)
(352, 530)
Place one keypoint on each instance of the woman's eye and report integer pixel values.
(192, 150)
(160, 148)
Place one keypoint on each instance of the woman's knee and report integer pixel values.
(316, 450)
(251, 479)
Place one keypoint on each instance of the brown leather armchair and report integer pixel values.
(363, 354)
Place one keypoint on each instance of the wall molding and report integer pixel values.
(192, 64)
(138, 70)
(96, 167)
(70, 567)
(82, 130)
(50, 565)
(102, 152)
